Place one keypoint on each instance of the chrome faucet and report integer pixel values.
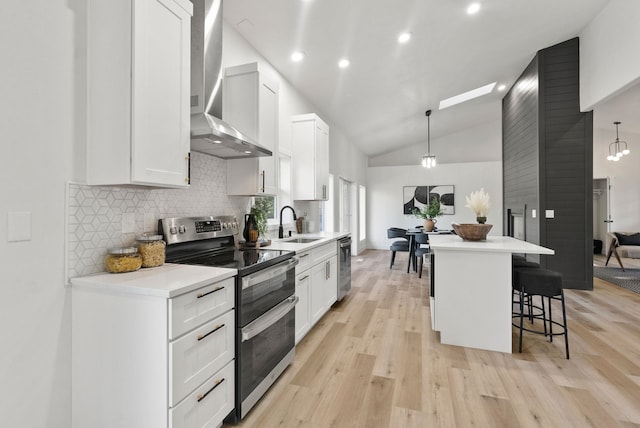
(281, 229)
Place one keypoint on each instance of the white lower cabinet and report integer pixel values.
(316, 286)
(208, 405)
(140, 359)
(303, 316)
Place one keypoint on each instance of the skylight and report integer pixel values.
(466, 96)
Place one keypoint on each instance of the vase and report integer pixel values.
(481, 220)
(429, 224)
(250, 232)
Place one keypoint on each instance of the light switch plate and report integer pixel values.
(533, 213)
(128, 222)
(18, 226)
(549, 213)
(149, 222)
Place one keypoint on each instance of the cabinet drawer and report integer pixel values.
(324, 252)
(305, 261)
(198, 355)
(209, 404)
(192, 309)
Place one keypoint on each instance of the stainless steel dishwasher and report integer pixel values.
(344, 266)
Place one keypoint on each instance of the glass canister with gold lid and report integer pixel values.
(120, 260)
(152, 250)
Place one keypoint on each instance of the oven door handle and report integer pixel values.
(268, 319)
(267, 274)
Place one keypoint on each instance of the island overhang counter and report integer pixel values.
(471, 301)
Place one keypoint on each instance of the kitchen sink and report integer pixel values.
(301, 240)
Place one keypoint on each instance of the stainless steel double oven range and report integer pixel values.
(265, 300)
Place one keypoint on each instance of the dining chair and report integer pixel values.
(398, 245)
(420, 240)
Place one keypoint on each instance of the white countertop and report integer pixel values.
(166, 281)
(324, 237)
(500, 244)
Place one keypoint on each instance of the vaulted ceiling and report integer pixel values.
(379, 100)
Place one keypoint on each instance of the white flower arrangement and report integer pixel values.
(478, 201)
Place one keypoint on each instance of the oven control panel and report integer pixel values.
(208, 226)
(185, 229)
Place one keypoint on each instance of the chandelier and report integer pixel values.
(429, 159)
(618, 148)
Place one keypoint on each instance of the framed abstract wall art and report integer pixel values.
(418, 196)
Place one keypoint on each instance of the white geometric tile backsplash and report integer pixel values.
(94, 213)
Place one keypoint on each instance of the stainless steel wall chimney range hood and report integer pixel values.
(210, 134)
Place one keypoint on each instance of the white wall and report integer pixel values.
(384, 195)
(624, 179)
(485, 146)
(609, 60)
(39, 87)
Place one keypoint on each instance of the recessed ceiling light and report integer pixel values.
(343, 63)
(404, 37)
(298, 56)
(473, 8)
(502, 87)
(466, 96)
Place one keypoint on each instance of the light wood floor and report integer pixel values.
(373, 361)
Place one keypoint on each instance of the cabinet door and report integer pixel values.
(302, 307)
(322, 162)
(331, 283)
(160, 93)
(317, 298)
(250, 103)
(310, 140)
(269, 119)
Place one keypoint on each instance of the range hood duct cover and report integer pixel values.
(209, 133)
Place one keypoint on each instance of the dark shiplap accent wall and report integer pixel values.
(548, 160)
(520, 149)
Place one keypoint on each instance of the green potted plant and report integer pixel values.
(260, 209)
(429, 214)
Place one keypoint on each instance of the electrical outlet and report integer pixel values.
(549, 213)
(19, 226)
(533, 213)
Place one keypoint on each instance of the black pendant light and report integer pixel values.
(618, 148)
(429, 159)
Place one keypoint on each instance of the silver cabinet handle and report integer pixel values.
(268, 319)
(265, 275)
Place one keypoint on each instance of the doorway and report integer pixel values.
(345, 206)
(601, 213)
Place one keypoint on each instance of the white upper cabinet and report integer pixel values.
(138, 77)
(250, 103)
(310, 141)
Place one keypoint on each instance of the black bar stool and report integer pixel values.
(518, 261)
(532, 281)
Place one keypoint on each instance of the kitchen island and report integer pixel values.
(471, 301)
